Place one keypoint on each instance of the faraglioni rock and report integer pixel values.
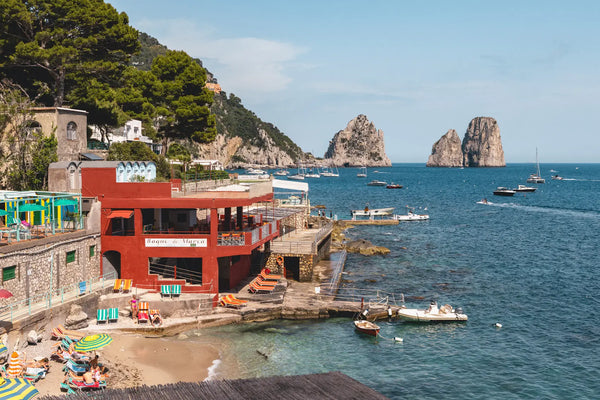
(360, 144)
(481, 147)
(446, 152)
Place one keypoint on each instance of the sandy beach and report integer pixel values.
(134, 360)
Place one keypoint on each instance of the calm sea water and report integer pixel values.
(529, 262)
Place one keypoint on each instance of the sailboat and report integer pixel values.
(329, 171)
(362, 173)
(533, 178)
(300, 175)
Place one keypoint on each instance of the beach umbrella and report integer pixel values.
(15, 367)
(3, 349)
(16, 389)
(65, 202)
(3, 213)
(5, 294)
(31, 207)
(92, 342)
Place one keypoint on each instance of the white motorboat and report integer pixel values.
(362, 172)
(557, 178)
(296, 177)
(433, 314)
(523, 188)
(375, 182)
(372, 212)
(255, 171)
(536, 178)
(411, 216)
(281, 172)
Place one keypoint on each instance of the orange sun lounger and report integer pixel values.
(256, 288)
(270, 277)
(231, 301)
(260, 281)
(60, 332)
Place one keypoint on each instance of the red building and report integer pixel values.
(157, 235)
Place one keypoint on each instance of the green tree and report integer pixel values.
(137, 151)
(183, 106)
(26, 152)
(61, 43)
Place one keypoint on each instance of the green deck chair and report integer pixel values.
(175, 290)
(102, 315)
(113, 314)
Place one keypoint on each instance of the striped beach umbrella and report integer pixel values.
(92, 342)
(16, 389)
(3, 350)
(15, 367)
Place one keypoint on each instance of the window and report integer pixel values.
(92, 250)
(32, 128)
(70, 256)
(71, 131)
(9, 273)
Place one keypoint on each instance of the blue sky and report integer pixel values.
(415, 69)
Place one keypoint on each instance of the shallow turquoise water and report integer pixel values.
(528, 262)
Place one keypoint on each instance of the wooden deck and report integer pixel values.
(301, 241)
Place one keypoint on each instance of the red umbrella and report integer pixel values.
(5, 294)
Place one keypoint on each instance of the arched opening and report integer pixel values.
(111, 263)
(71, 131)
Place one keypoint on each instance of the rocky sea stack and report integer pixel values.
(360, 144)
(481, 147)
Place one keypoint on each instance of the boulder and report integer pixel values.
(446, 152)
(33, 338)
(365, 248)
(359, 144)
(77, 319)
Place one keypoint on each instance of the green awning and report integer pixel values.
(31, 207)
(63, 201)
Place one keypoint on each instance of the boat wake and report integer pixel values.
(551, 210)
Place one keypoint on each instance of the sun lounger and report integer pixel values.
(231, 301)
(118, 284)
(259, 279)
(143, 315)
(270, 277)
(82, 288)
(127, 285)
(76, 384)
(78, 368)
(102, 315)
(113, 314)
(175, 290)
(65, 387)
(165, 290)
(256, 288)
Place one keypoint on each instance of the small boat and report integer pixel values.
(394, 186)
(371, 212)
(312, 174)
(255, 171)
(502, 191)
(296, 177)
(523, 188)
(484, 201)
(536, 178)
(432, 314)
(367, 327)
(411, 216)
(375, 182)
(329, 172)
(281, 172)
(362, 173)
(557, 178)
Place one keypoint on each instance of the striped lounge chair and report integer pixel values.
(101, 315)
(231, 301)
(270, 277)
(257, 288)
(143, 315)
(127, 285)
(118, 284)
(175, 290)
(165, 290)
(113, 314)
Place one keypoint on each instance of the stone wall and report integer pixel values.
(35, 274)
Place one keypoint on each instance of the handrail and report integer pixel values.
(45, 300)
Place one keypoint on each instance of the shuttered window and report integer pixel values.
(9, 273)
(70, 256)
(92, 250)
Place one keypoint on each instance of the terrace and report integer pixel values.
(36, 215)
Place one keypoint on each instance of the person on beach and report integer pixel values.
(134, 307)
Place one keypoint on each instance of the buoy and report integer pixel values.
(498, 325)
(398, 339)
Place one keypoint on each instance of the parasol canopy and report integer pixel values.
(63, 201)
(16, 389)
(5, 294)
(3, 213)
(31, 207)
(92, 342)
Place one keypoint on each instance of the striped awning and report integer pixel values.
(120, 214)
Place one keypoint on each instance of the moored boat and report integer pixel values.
(502, 191)
(536, 178)
(411, 216)
(367, 327)
(394, 186)
(375, 182)
(523, 188)
(433, 314)
(371, 212)
(362, 172)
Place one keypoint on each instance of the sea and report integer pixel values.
(529, 263)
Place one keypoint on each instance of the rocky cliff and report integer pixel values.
(481, 147)
(360, 144)
(447, 151)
